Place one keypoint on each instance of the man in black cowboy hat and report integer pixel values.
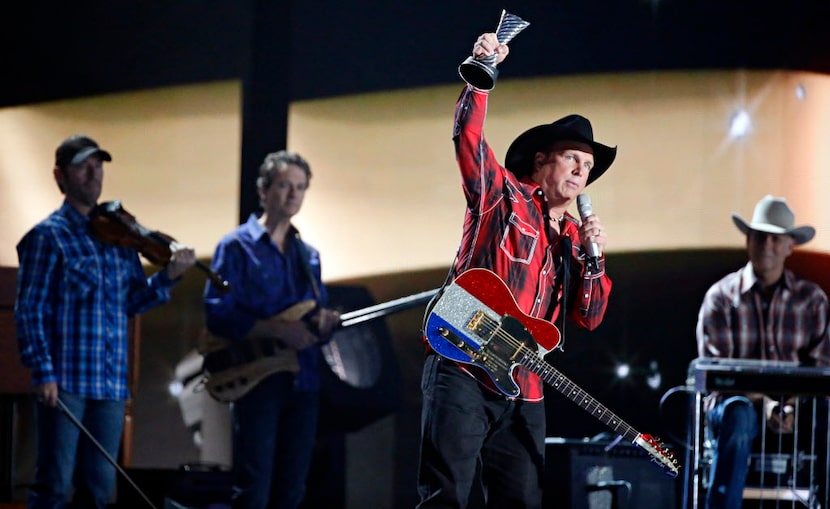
(762, 311)
(517, 225)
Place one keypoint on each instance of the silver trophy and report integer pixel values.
(481, 72)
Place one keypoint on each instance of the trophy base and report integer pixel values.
(477, 74)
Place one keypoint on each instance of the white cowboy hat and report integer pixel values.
(773, 215)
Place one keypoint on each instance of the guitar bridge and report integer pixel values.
(475, 323)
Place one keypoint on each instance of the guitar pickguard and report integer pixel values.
(463, 329)
(451, 314)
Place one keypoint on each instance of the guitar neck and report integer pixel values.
(386, 308)
(530, 360)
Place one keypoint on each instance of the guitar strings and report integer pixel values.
(551, 374)
(530, 359)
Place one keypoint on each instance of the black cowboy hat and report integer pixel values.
(520, 155)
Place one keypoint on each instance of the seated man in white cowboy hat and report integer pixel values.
(762, 311)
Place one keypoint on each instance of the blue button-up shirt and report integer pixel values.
(74, 298)
(264, 282)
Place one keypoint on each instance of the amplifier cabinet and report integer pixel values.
(587, 474)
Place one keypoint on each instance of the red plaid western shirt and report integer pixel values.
(506, 231)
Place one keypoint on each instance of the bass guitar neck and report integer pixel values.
(233, 368)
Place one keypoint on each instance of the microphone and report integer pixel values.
(583, 203)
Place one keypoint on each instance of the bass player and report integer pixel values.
(271, 269)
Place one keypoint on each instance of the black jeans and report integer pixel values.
(274, 430)
(475, 442)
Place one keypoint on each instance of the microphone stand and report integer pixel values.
(103, 451)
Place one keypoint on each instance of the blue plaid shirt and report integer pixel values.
(265, 282)
(74, 297)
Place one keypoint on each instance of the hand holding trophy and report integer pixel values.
(481, 72)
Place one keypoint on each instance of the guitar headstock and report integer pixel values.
(659, 453)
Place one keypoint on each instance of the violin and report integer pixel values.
(111, 224)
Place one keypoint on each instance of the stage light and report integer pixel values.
(623, 370)
(740, 124)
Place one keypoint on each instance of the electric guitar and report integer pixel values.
(476, 321)
(232, 368)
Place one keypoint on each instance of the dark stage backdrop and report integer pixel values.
(284, 50)
(53, 50)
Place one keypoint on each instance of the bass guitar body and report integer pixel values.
(232, 369)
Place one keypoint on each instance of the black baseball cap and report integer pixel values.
(76, 148)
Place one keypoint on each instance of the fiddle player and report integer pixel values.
(272, 270)
(761, 311)
(74, 297)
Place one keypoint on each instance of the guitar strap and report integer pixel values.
(567, 247)
(440, 291)
(305, 258)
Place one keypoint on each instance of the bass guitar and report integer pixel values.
(476, 321)
(232, 368)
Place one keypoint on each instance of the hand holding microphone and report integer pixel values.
(590, 231)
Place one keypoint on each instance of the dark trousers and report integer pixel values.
(64, 454)
(477, 441)
(274, 429)
(736, 426)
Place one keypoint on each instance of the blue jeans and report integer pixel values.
(274, 429)
(63, 452)
(734, 422)
(466, 428)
